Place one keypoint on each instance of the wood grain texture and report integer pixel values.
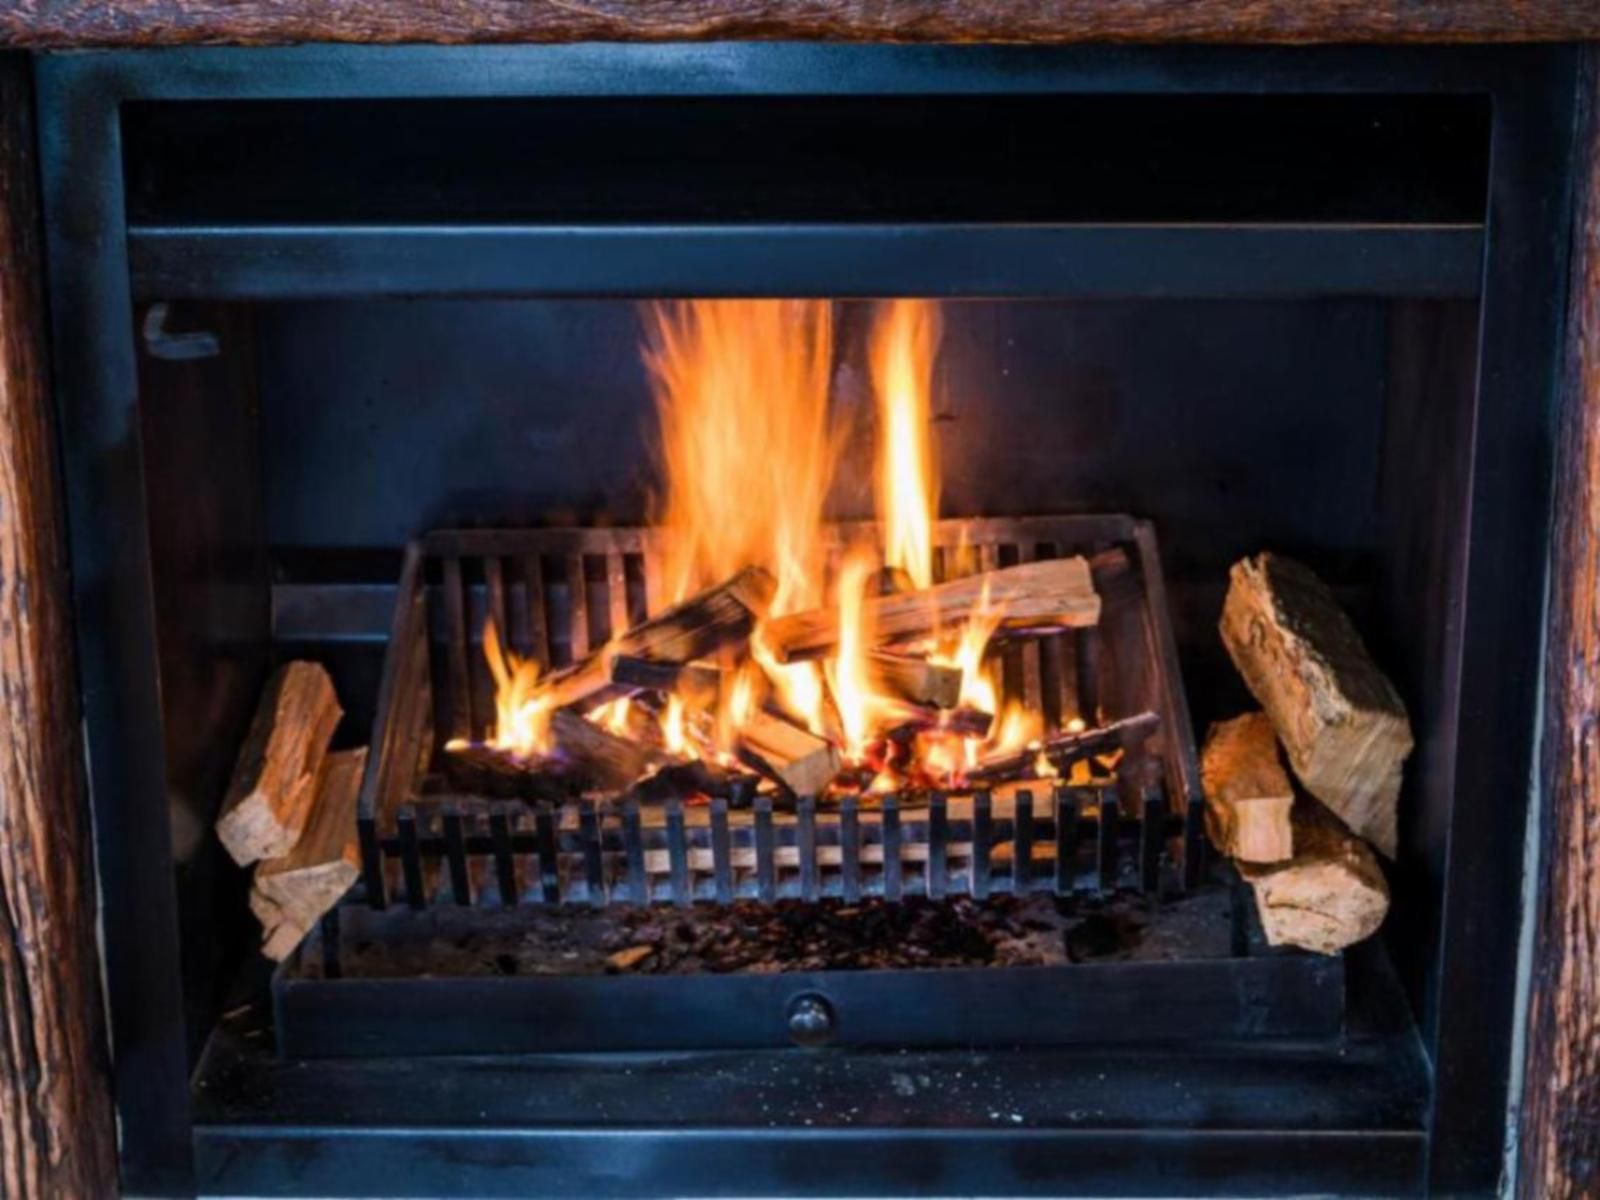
(56, 1132)
(55, 23)
(1559, 1153)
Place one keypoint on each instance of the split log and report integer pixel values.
(1338, 716)
(802, 761)
(916, 679)
(275, 778)
(291, 893)
(605, 758)
(717, 618)
(1248, 793)
(1061, 750)
(1057, 592)
(1330, 895)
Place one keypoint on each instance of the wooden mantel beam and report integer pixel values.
(56, 1131)
(1559, 1143)
(58, 23)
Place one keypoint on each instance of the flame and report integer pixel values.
(746, 445)
(798, 686)
(522, 715)
(904, 342)
(612, 716)
(848, 676)
(674, 730)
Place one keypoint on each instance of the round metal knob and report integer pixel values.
(811, 1020)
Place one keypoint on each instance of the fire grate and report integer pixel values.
(558, 592)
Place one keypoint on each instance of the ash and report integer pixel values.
(753, 938)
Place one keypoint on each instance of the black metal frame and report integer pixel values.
(97, 266)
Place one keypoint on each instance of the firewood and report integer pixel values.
(1330, 895)
(717, 618)
(1338, 716)
(608, 760)
(1248, 793)
(697, 683)
(1056, 592)
(498, 774)
(803, 761)
(275, 777)
(291, 893)
(916, 679)
(962, 722)
(1061, 750)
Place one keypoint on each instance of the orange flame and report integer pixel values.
(522, 715)
(904, 343)
(848, 676)
(746, 446)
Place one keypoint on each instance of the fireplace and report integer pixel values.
(350, 362)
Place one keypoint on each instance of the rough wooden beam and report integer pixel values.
(57, 1136)
(1248, 793)
(1338, 716)
(290, 894)
(274, 782)
(1560, 1111)
(1058, 592)
(60, 23)
(1330, 895)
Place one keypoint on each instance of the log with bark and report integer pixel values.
(717, 619)
(275, 777)
(799, 759)
(698, 683)
(1061, 750)
(1248, 793)
(1330, 895)
(604, 758)
(290, 893)
(1056, 592)
(1338, 716)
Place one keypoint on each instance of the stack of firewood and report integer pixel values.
(694, 649)
(291, 807)
(1306, 852)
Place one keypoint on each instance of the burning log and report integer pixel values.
(291, 892)
(489, 771)
(697, 683)
(1055, 592)
(1338, 716)
(685, 780)
(606, 758)
(275, 778)
(716, 618)
(1248, 794)
(961, 722)
(916, 679)
(1330, 895)
(803, 762)
(1061, 750)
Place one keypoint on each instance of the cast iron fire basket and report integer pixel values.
(557, 592)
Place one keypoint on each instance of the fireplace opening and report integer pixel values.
(752, 539)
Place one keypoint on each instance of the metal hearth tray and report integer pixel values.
(560, 592)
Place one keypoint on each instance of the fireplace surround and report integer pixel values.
(265, 348)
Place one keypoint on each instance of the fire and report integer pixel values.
(522, 715)
(848, 677)
(905, 341)
(748, 451)
(747, 448)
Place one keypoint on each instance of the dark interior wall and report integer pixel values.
(1231, 424)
